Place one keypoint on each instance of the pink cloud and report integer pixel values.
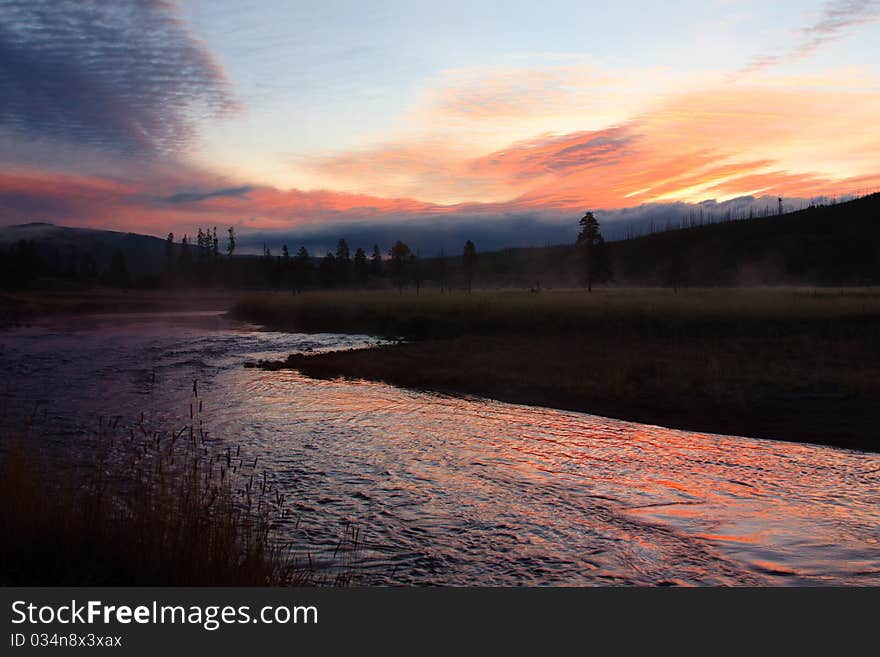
(691, 146)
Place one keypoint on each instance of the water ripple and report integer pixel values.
(452, 490)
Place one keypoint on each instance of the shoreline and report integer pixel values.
(797, 419)
(777, 364)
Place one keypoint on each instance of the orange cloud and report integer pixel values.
(806, 139)
(275, 208)
(688, 146)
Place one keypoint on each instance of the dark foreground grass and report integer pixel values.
(146, 509)
(800, 365)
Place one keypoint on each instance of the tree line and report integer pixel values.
(211, 261)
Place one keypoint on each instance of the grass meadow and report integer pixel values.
(788, 363)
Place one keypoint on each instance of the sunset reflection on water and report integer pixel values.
(449, 490)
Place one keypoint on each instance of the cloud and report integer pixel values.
(493, 93)
(122, 77)
(101, 202)
(37, 196)
(494, 99)
(782, 137)
(442, 147)
(837, 19)
(428, 236)
(196, 197)
(803, 137)
(560, 154)
(418, 168)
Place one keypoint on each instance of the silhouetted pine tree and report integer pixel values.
(286, 273)
(399, 255)
(168, 267)
(376, 262)
(184, 261)
(361, 268)
(301, 269)
(469, 264)
(343, 263)
(596, 266)
(327, 270)
(230, 241)
(442, 271)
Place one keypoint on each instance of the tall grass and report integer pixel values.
(643, 311)
(143, 507)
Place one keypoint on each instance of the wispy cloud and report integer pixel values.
(838, 18)
(196, 197)
(739, 139)
(123, 77)
(558, 155)
(102, 202)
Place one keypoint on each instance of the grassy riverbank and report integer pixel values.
(140, 508)
(799, 365)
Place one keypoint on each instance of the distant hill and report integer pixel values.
(822, 245)
(825, 245)
(144, 255)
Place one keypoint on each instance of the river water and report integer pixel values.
(463, 491)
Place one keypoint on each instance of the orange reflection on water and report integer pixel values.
(450, 490)
(650, 502)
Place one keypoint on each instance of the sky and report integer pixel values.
(295, 119)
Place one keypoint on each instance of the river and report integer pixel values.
(463, 491)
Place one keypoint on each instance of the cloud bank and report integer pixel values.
(429, 237)
(123, 77)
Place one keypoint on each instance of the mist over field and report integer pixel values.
(517, 230)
